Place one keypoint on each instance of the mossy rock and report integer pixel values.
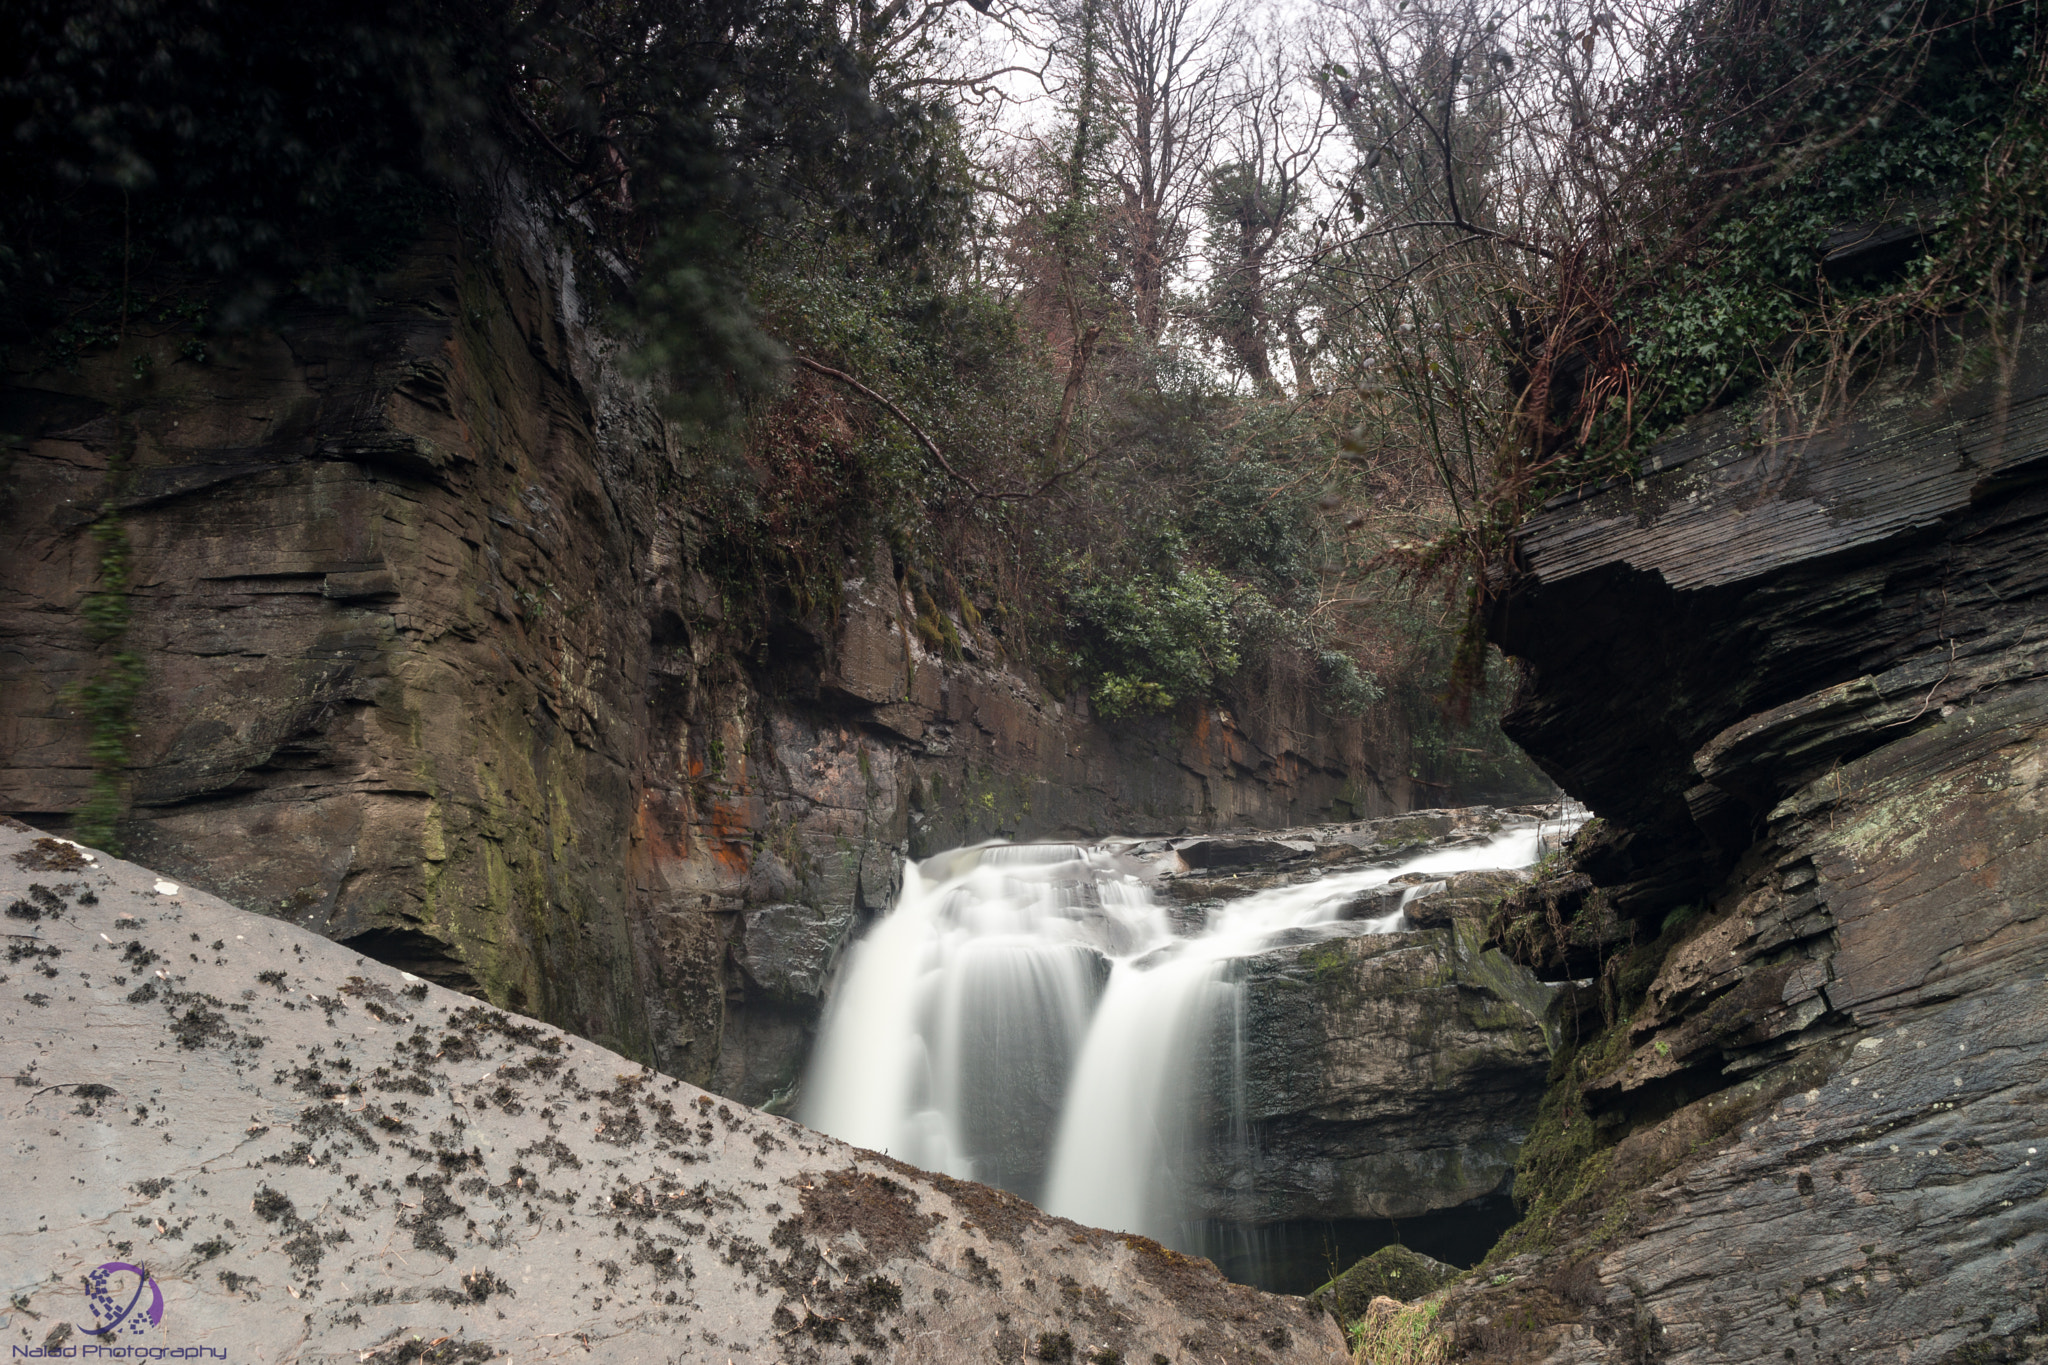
(1393, 1271)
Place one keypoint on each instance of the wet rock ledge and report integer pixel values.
(316, 1157)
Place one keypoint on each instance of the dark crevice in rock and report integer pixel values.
(417, 952)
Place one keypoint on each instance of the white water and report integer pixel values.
(1025, 1015)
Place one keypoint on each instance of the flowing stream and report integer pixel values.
(1027, 1015)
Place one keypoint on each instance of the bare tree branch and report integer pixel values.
(931, 446)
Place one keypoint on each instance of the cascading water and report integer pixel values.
(1027, 1016)
(952, 1035)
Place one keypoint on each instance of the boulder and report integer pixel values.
(1187, 890)
(228, 1135)
(1237, 854)
(1393, 1274)
(1377, 903)
(788, 949)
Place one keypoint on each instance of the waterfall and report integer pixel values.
(1026, 1015)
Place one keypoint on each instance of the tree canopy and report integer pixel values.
(1172, 379)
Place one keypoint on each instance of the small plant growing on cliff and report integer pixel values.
(1631, 217)
(106, 698)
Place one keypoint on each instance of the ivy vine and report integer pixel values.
(106, 698)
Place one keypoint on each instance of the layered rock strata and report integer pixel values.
(1805, 685)
(436, 662)
(315, 1157)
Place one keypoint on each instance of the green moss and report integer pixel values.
(1679, 918)
(1325, 961)
(433, 839)
(106, 699)
(934, 627)
(1566, 1156)
(1392, 1272)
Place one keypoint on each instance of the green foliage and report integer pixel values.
(1256, 516)
(1457, 747)
(1348, 690)
(258, 157)
(714, 129)
(1247, 213)
(758, 183)
(1679, 917)
(106, 701)
(695, 323)
(1152, 638)
(1542, 283)
(822, 468)
(1904, 140)
(255, 161)
(1406, 1336)
(1150, 601)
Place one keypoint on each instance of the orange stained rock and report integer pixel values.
(731, 838)
(661, 826)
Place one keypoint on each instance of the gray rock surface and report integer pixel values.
(318, 1158)
(1383, 1076)
(788, 948)
(1464, 898)
(1808, 1125)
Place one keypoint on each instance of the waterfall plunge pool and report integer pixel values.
(1031, 1016)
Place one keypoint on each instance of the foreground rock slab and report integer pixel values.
(315, 1157)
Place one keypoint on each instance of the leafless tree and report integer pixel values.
(1164, 64)
(1269, 147)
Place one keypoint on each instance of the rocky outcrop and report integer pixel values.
(435, 663)
(1382, 1076)
(1805, 685)
(315, 1157)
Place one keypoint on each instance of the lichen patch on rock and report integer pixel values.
(316, 1158)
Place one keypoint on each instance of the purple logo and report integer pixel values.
(104, 1289)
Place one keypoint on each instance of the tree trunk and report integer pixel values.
(1084, 346)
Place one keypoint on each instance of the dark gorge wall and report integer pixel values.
(432, 664)
(1804, 684)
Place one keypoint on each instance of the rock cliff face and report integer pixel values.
(433, 667)
(1806, 687)
(1386, 1076)
(315, 1157)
